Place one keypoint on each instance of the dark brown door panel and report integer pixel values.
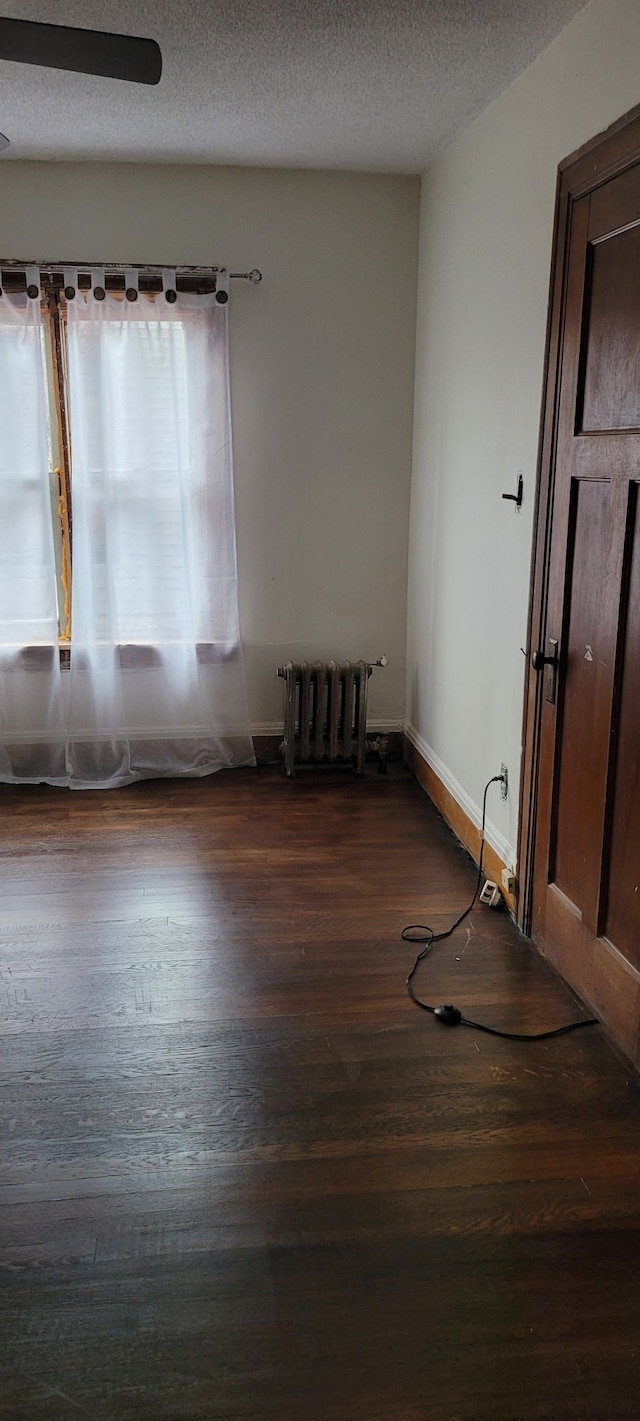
(581, 813)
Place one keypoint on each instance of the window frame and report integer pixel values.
(54, 328)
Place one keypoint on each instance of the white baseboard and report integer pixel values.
(493, 835)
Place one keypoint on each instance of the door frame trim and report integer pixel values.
(603, 157)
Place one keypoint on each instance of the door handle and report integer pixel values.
(539, 661)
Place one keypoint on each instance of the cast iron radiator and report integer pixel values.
(325, 715)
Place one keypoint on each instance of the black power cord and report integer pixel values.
(448, 1014)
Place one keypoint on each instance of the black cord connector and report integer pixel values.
(449, 1014)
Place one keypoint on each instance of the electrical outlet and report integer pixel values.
(508, 881)
(504, 787)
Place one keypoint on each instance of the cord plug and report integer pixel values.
(448, 1014)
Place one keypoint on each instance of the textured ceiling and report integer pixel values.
(368, 84)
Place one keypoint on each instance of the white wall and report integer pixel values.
(322, 380)
(485, 253)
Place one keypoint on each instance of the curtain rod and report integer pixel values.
(151, 270)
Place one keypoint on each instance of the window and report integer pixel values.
(144, 368)
(141, 370)
(116, 448)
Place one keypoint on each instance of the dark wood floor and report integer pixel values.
(242, 1176)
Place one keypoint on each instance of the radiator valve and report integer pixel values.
(379, 745)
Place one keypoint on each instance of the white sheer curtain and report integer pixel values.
(157, 679)
(32, 735)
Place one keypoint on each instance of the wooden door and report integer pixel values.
(586, 845)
